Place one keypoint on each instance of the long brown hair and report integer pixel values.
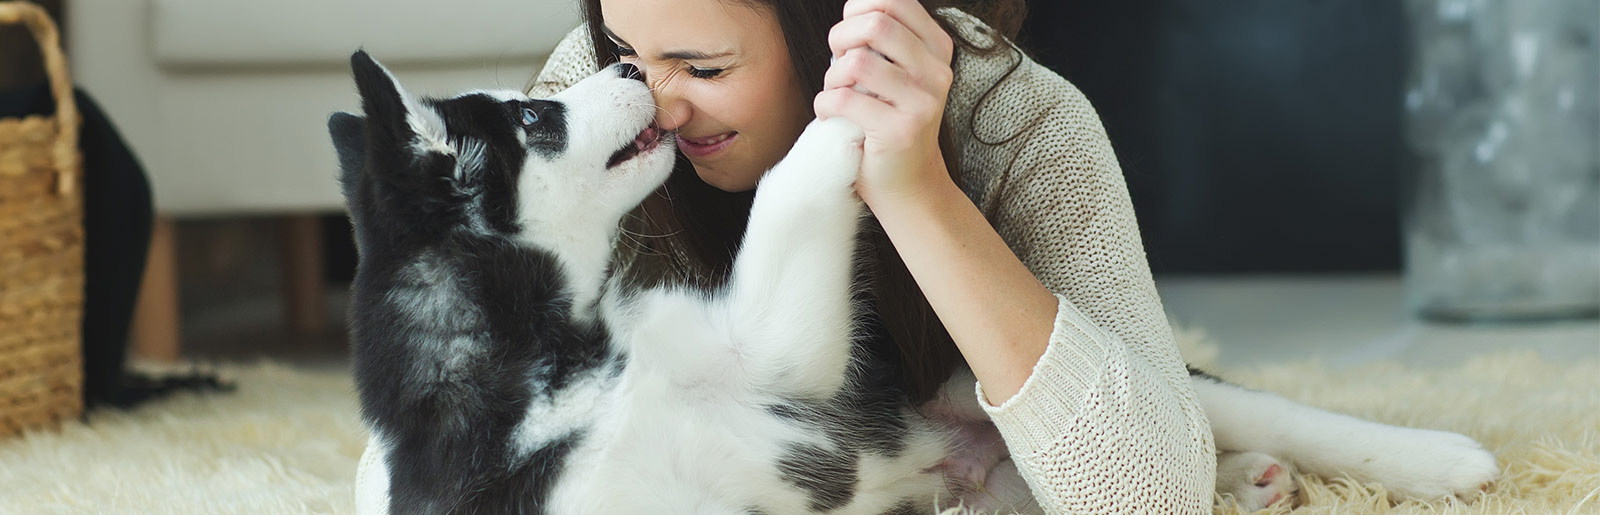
(707, 224)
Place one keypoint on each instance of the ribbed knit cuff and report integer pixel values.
(1071, 368)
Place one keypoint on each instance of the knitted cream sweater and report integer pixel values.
(1108, 421)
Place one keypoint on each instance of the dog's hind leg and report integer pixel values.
(1408, 462)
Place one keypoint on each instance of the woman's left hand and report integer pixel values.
(891, 74)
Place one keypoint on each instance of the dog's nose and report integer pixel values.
(629, 71)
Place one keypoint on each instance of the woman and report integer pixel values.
(1002, 207)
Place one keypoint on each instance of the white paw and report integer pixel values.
(1425, 464)
(832, 133)
(828, 152)
(1255, 480)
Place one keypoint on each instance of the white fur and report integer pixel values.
(433, 297)
(469, 163)
(687, 426)
(470, 160)
(424, 123)
(570, 205)
(1415, 463)
(435, 302)
(554, 415)
(687, 429)
(1255, 480)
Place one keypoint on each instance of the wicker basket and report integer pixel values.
(41, 250)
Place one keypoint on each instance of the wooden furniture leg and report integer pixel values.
(155, 320)
(305, 308)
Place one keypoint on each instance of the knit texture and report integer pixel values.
(1108, 421)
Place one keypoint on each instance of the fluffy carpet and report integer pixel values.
(287, 440)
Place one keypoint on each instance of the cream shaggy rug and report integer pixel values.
(287, 440)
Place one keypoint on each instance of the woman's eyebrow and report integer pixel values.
(687, 55)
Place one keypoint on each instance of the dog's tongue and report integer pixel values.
(645, 137)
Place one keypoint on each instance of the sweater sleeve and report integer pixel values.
(571, 61)
(1108, 421)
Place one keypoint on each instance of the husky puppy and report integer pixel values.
(497, 378)
(500, 371)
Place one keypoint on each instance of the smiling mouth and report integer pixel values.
(647, 140)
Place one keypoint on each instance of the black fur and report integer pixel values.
(828, 477)
(1195, 372)
(868, 417)
(458, 325)
(450, 419)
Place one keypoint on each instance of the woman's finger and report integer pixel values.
(860, 68)
(881, 32)
(868, 112)
(913, 17)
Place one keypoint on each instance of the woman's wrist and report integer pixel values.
(922, 192)
(999, 315)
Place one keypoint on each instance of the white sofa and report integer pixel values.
(225, 102)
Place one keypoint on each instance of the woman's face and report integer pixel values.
(722, 79)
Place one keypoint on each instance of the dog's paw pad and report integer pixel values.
(1267, 476)
(1255, 480)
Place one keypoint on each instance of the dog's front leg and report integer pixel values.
(789, 294)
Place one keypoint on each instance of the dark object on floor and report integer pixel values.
(116, 222)
(134, 388)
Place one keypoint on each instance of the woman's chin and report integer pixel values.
(731, 183)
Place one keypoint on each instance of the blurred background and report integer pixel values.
(1312, 177)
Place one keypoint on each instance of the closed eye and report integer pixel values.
(704, 73)
(694, 71)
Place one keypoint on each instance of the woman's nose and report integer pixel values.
(672, 110)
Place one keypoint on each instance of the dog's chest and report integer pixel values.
(655, 447)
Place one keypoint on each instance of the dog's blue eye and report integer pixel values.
(529, 117)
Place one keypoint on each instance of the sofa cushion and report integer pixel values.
(233, 33)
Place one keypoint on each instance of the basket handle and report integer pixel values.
(44, 31)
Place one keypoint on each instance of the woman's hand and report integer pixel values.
(891, 75)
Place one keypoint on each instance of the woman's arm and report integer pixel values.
(1108, 421)
(999, 315)
(995, 310)
(1085, 384)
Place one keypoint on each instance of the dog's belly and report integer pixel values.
(667, 448)
(664, 447)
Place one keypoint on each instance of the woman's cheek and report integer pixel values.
(716, 99)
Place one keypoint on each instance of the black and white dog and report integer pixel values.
(495, 376)
(501, 371)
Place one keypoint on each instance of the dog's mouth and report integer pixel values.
(647, 140)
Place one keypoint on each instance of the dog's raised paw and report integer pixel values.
(838, 131)
(826, 157)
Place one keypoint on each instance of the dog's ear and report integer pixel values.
(403, 119)
(382, 99)
(349, 134)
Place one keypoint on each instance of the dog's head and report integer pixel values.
(559, 173)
